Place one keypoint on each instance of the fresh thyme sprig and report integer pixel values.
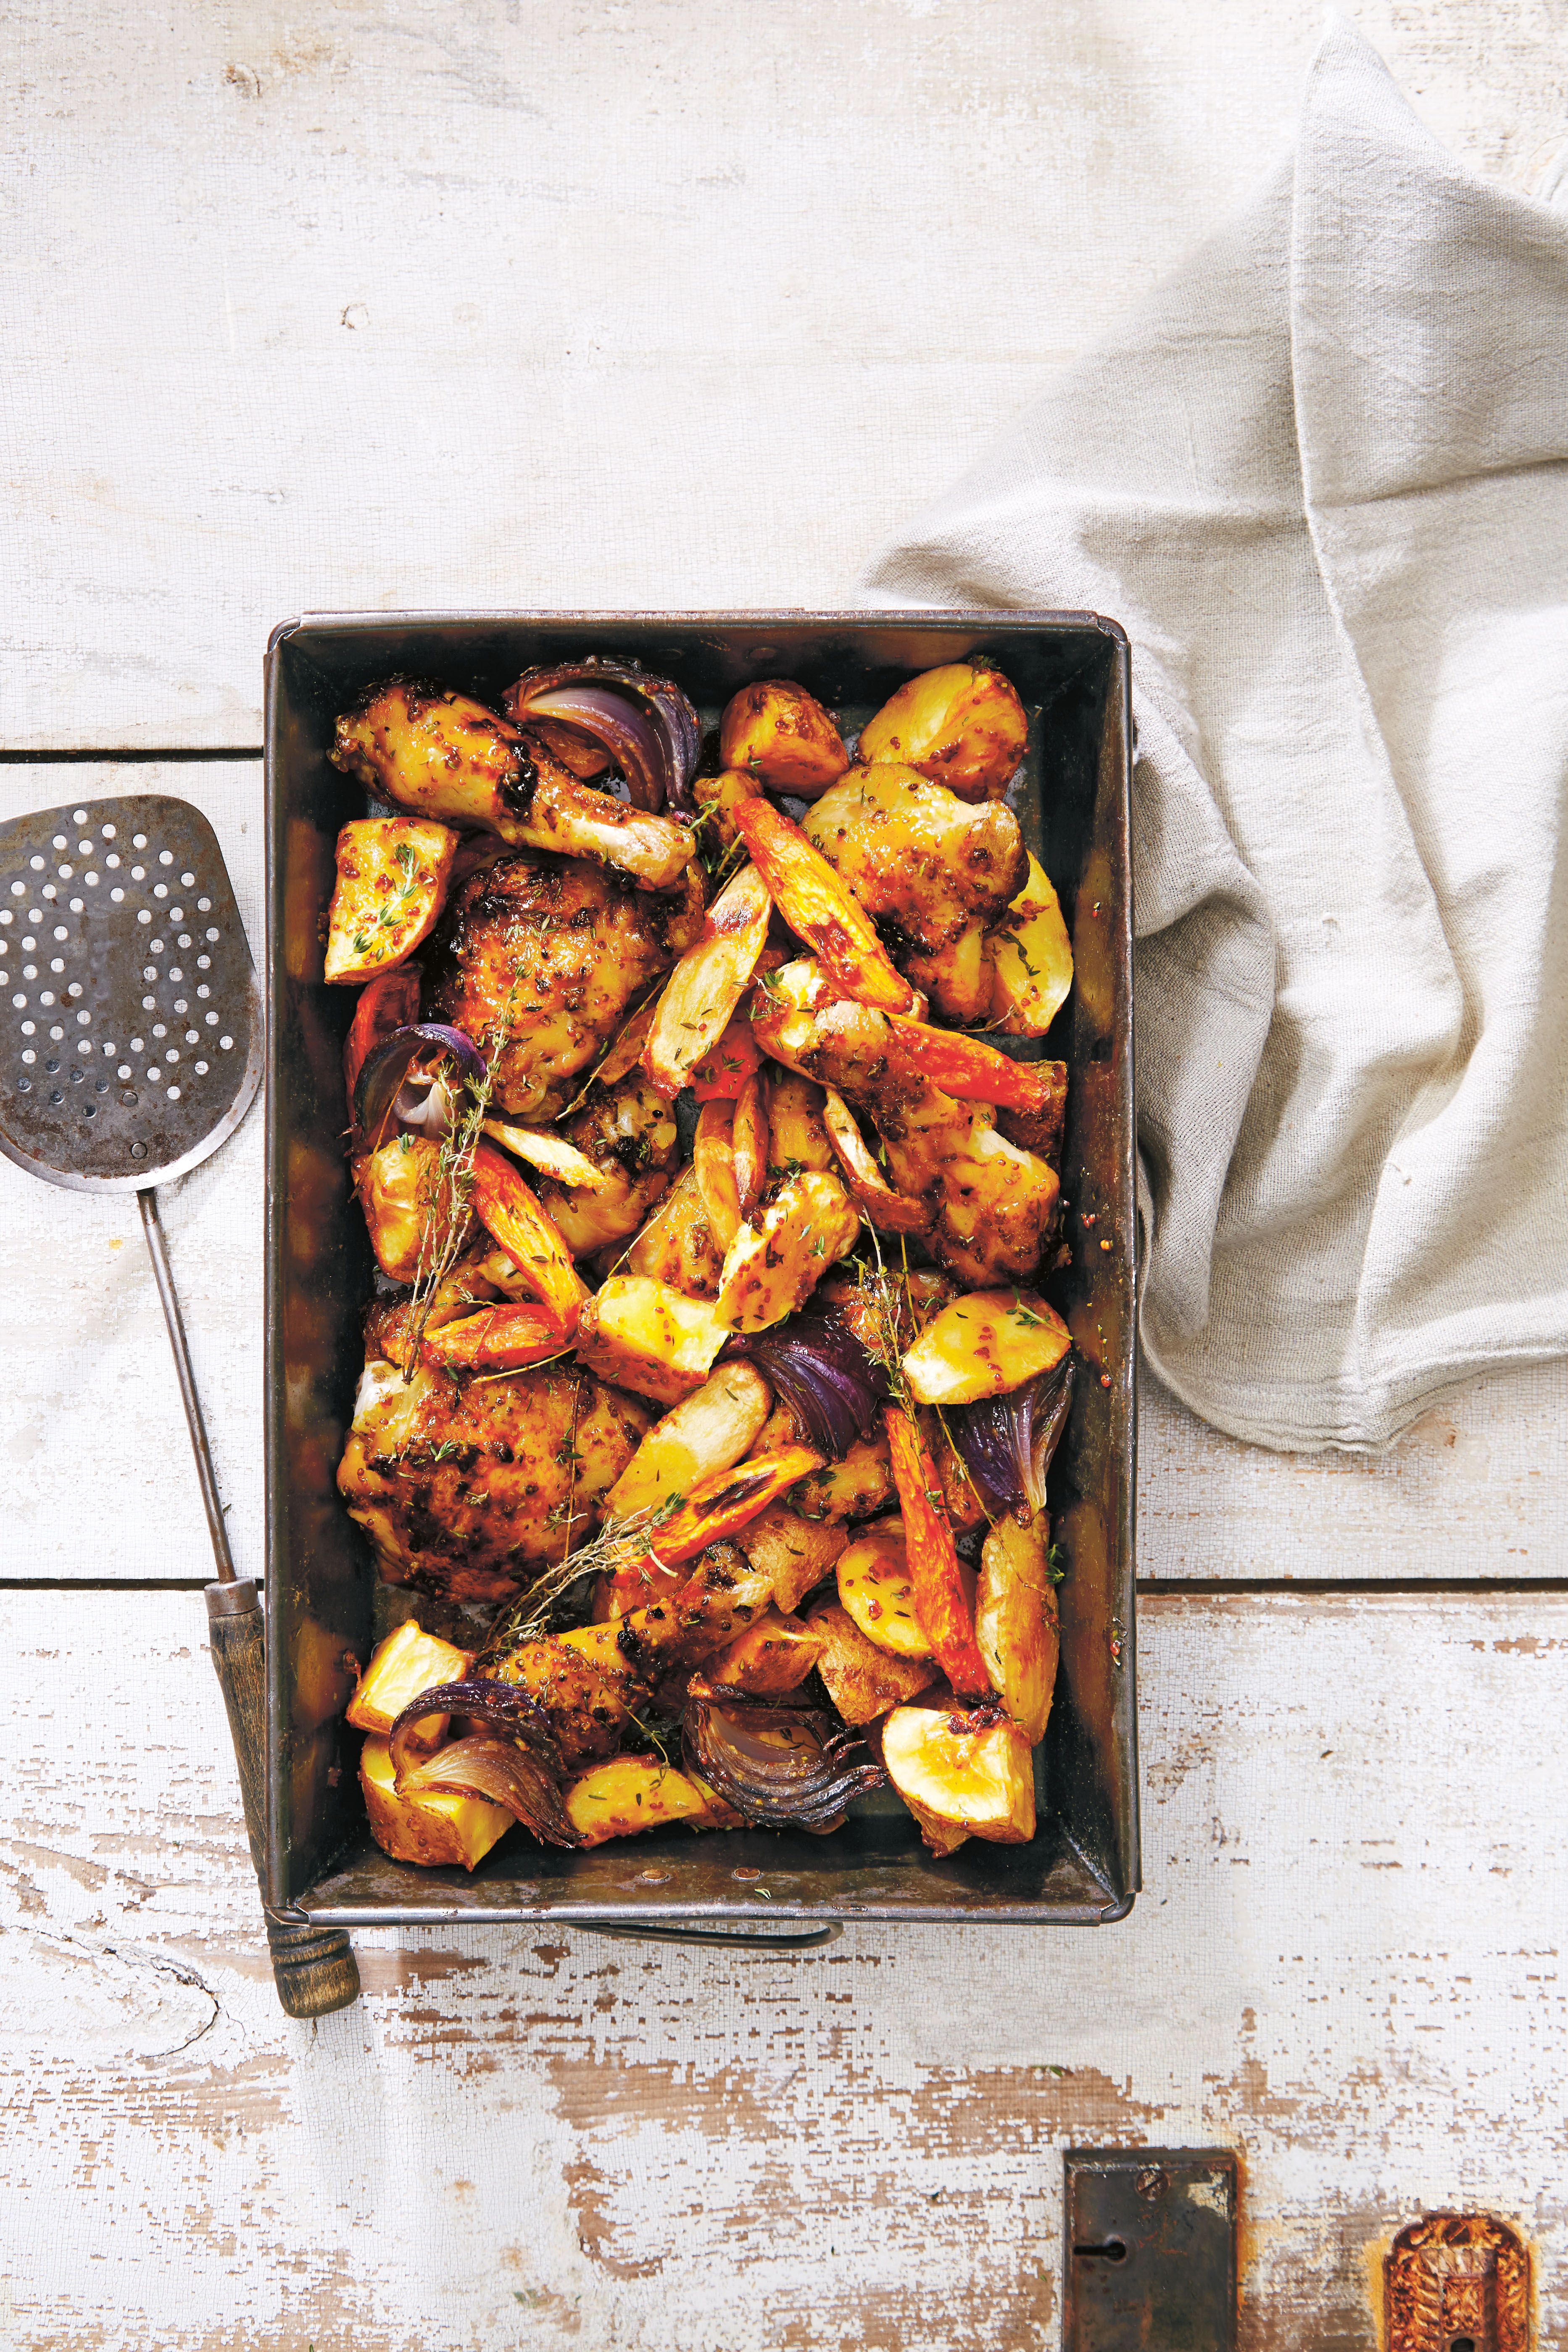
(446, 1221)
(529, 1616)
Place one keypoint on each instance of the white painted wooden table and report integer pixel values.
(671, 302)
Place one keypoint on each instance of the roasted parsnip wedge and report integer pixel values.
(863, 1681)
(869, 1190)
(495, 1340)
(706, 1433)
(409, 1661)
(426, 1826)
(392, 873)
(550, 1153)
(641, 1334)
(508, 1210)
(749, 1142)
(803, 1019)
(1016, 1626)
(773, 1656)
(1030, 956)
(708, 982)
(717, 1510)
(962, 725)
(776, 731)
(955, 1772)
(821, 909)
(983, 1344)
(628, 1794)
(713, 1163)
(773, 1266)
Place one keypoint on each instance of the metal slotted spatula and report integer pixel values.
(130, 1048)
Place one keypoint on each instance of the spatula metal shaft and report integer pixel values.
(169, 1298)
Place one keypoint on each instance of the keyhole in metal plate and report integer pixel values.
(1463, 2344)
(1113, 2251)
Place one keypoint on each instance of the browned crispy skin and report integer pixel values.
(917, 855)
(464, 1487)
(1041, 1132)
(552, 951)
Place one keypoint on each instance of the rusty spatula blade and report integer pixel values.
(131, 1021)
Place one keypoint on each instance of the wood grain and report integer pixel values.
(1346, 1965)
(546, 301)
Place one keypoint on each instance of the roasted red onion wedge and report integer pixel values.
(779, 1767)
(1006, 1442)
(496, 1769)
(645, 724)
(820, 1370)
(380, 1092)
(500, 1708)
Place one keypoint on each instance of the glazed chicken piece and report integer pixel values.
(444, 755)
(549, 951)
(992, 1202)
(629, 1132)
(466, 1486)
(916, 855)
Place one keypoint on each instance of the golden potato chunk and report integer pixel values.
(771, 1657)
(962, 1773)
(876, 1588)
(709, 1431)
(773, 1266)
(392, 873)
(962, 725)
(1029, 957)
(1015, 1624)
(430, 1826)
(708, 982)
(409, 1661)
(863, 1681)
(793, 1554)
(983, 1344)
(405, 1197)
(642, 1335)
(628, 1794)
(957, 978)
(677, 1245)
(917, 855)
(797, 1136)
(776, 731)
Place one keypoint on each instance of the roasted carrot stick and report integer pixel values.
(939, 1596)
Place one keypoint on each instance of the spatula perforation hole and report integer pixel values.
(79, 817)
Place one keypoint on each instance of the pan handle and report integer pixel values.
(627, 1931)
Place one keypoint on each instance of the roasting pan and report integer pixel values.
(1082, 1866)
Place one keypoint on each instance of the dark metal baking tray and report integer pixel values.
(1072, 671)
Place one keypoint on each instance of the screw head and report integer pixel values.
(139, 1151)
(1152, 2184)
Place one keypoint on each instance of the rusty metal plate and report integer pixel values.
(1457, 2283)
(1149, 2254)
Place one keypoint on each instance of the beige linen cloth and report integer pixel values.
(1322, 479)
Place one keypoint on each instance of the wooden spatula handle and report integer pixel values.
(314, 1967)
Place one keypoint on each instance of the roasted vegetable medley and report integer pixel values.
(709, 1391)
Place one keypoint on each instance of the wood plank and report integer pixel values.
(1346, 1965)
(334, 306)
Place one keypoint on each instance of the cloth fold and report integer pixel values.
(1321, 475)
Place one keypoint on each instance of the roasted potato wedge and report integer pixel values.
(427, 1826)
(957, 1772)
(1016, 1625)
(678, 1244)
(983, 1344)
(797, 1132)
(709, 1431)
(771, 1656)
(877, 1591)
(889, 1211)
(957, 978)
(628, 1794)
(774, 731)
(392, 873)
(641, 1335)
(793, 1554)
(409, 1205)
(1030, 959)
(773, 1266)
(409, 1661)
(822, 910)
(713, 1162)
(858, 1487)
(708, 982)
(961, 725)
(863, 1681)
